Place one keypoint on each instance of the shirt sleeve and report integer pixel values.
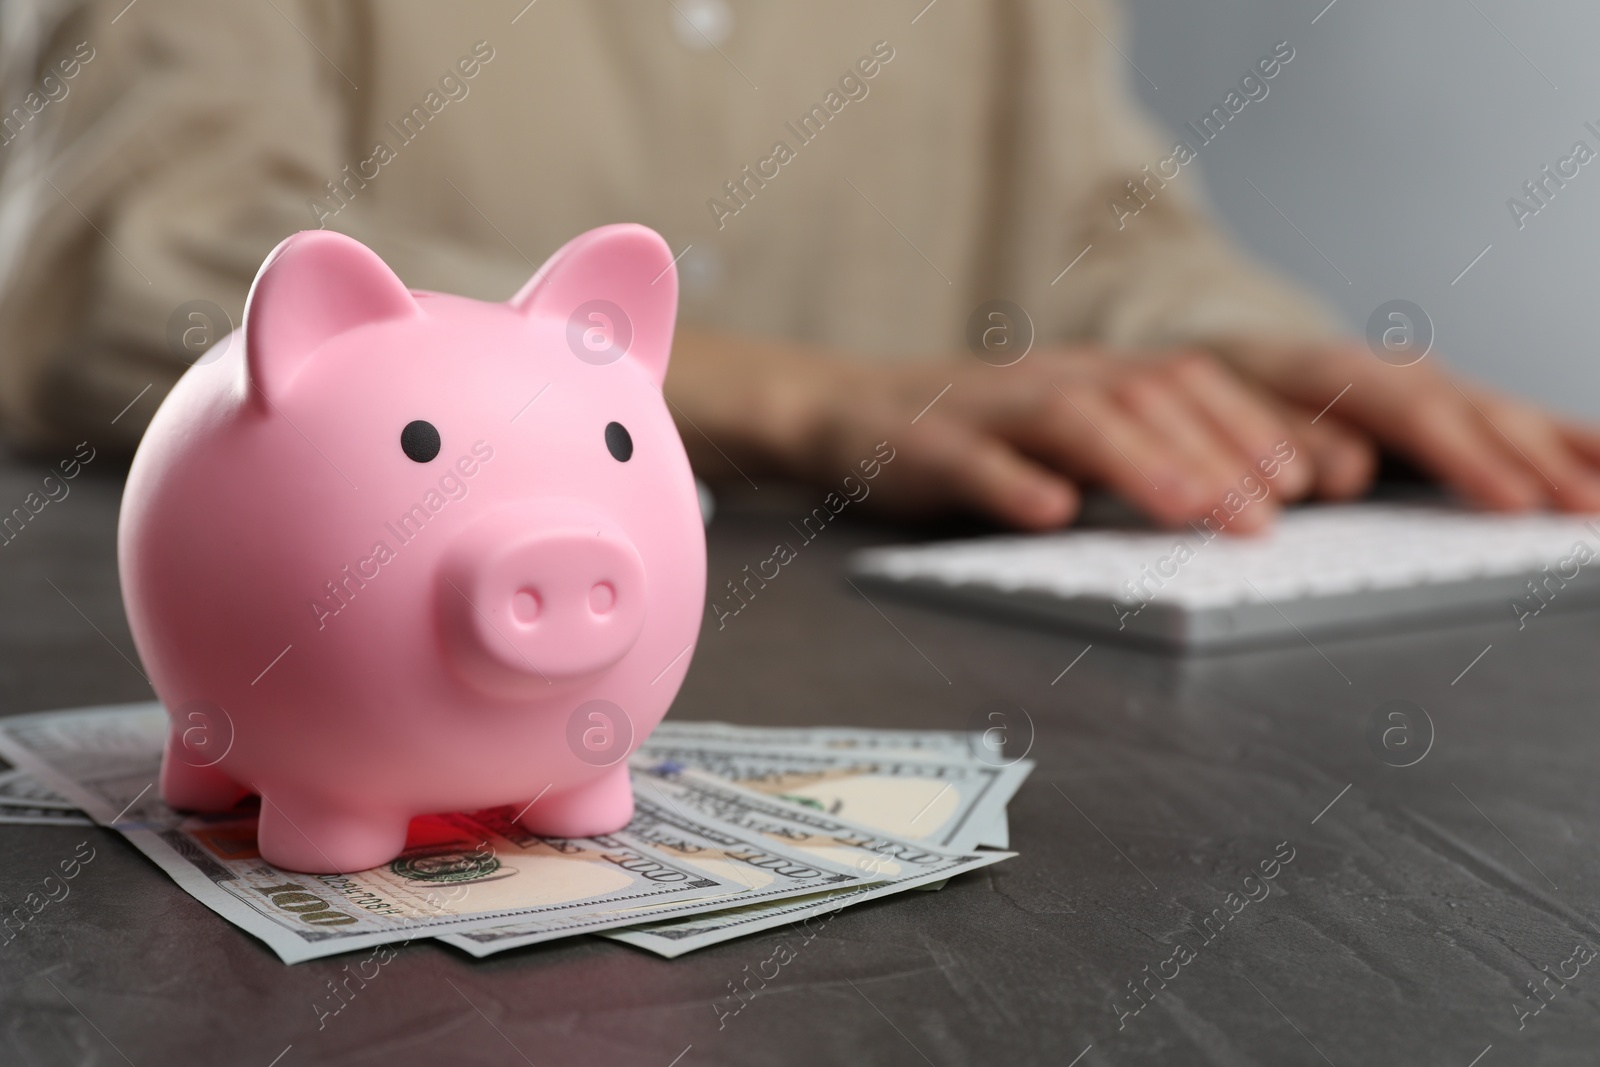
(144, 193)
(1155, 269)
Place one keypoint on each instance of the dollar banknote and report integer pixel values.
(458, 872)
(951, 803)
(937, 743)
(42, 815)
(983, 745)
(896, 864)
(18, 787)
(765, 869)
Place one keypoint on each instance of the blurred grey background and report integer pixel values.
(1393, 140)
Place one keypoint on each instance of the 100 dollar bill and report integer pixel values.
(766, 870)
(42, 815)
(935, 743)
(982, 746)
(950, 803)
(18, 787)
(897, 863)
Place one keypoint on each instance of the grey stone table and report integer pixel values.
(1419, 904)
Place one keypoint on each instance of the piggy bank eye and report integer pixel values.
(618, 441)
(420, 441)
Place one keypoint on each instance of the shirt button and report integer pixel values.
(702, 24)
(700, 271)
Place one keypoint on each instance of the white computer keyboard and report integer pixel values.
(1318, 568)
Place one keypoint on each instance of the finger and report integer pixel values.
(1413, 410)
(1252, 426)
(1533, 439)
(1342, 461)
(1165, 413)
(1083, 432)
(1437, 429)
(1583, 441)
(948, 459)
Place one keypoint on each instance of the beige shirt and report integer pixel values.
(849, 172)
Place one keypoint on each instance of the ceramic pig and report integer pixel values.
(389, 553)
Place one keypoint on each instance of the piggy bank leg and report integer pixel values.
(301, 833)
(190, 788)
(602, 806)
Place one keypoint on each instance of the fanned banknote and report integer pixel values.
(948, 802)
(935, 743)
(766, 870)
(24, 800)
(898, 863)
(458, 872)
(19, 788)
(983, 746)
(42, 815)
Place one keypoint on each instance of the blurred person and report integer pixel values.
(846, 182)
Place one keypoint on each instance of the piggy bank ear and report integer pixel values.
(614, 292)
(314, 286)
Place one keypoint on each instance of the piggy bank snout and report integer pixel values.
(529, 601)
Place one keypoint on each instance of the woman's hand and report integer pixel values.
(1177, 433)
(1496, 451)
(1174, 432)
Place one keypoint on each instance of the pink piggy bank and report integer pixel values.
(389, 553)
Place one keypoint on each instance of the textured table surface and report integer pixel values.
(1418, 905)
